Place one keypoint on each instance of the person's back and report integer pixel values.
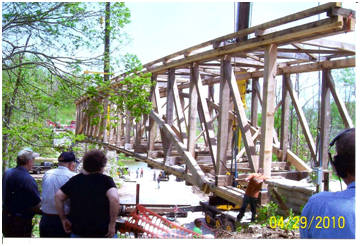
(50, 223)
(19, 191)
(333, 213)
(255, 182)
(21, 198)
(89, 212)
(94, 200)
(51, 183)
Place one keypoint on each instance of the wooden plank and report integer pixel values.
(243, 123)
(283, 69)
(179, 113)
(268, 109)
(285, 110)
(193, 103)
(205, 117)
(223, 123)
(302, 119)
(339, 103)
(331, 44)
(294, 160)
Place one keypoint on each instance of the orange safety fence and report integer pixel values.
(151, 225)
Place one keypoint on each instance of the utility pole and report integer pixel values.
(107, 43)
(242, 18)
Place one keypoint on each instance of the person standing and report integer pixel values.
(50, 223)
(137, 173)
(336, 209)
(255, 182)
(21, 198)
(94, 200)
(154, 176)
(158, 180)
(141, 173)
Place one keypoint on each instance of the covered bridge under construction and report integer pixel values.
(189, 133)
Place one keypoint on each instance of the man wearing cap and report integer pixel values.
(21, 198)
(50, 224)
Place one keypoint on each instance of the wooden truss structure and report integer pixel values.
(190, 130)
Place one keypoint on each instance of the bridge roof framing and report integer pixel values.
(296, 42)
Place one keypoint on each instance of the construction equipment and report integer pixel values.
(145, 223)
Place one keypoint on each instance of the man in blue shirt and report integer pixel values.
(332, 214)
(21, 198)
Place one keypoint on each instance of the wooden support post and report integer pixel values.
(170, 97)
(138, 135)
(111, 128)
(77, 119)
(223, 123)
(104, 135)
(339, 103)
(128, 127)
(154, 94)
(169, 115)
(325, 113)
(268, 109)
(302, 119)
(179, 113)
(119, 129)
(254, 102)
(211, 98)
(205, 116)
(193, 105)
(244, 125)
(285, 110)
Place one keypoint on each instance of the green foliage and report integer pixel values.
(132, 96)
(36, 226)
(123, 157)
(266, 211)
(41, 66)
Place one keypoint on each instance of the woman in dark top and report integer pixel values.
(93, 197)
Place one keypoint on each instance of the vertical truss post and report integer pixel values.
(169, 115)
(152, 124)
(254, 102)
(193, 105)
(285, 110)
(223, 123)
(325, 113)
(204, 116)
(268, 112)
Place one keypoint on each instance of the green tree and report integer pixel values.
(43, 47)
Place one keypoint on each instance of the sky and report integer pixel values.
(158, 29)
